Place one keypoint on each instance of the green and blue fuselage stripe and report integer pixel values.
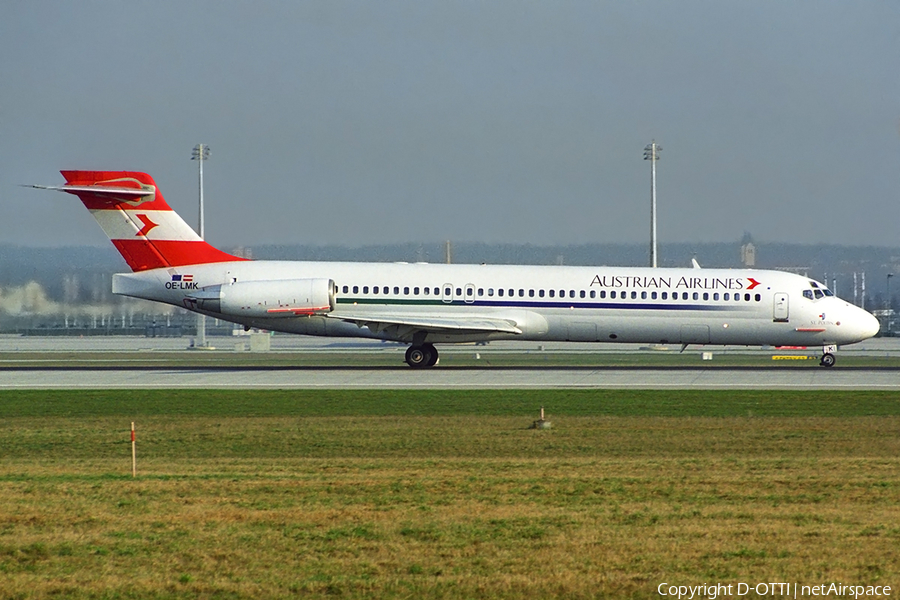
(544, 304)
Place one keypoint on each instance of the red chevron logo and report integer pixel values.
(148, 225)
(754, 283)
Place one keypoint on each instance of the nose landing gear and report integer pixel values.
(828, 356)
(421, 355)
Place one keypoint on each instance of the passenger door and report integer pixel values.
(780, 308)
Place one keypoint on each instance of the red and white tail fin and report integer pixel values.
(131, 210)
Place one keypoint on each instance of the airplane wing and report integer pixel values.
(377, 322)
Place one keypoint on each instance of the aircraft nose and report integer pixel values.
(869, 325)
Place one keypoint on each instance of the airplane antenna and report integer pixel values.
(200, 154)
(651, 153)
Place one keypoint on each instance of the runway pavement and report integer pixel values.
(450, 378)
(123, 376)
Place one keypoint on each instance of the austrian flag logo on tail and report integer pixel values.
(181, 282)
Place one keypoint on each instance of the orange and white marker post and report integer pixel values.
(133, 453)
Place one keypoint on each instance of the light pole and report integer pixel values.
(887, 303)
(200, 154)
(651, 153)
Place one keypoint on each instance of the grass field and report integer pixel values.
(409, 494)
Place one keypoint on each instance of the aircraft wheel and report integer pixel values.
(418, 356)
(827, 360)
(434, 355)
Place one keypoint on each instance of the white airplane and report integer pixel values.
(424, 304)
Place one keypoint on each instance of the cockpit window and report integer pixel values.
(818, 291)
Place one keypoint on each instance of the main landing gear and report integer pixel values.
(421, 355)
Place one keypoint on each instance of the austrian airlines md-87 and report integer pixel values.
(426, 304)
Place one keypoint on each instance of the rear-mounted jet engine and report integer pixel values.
(281, 298)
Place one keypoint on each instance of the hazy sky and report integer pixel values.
(495, 121)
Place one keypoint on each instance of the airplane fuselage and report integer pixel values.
(590, 304)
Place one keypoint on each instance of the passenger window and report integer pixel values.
(643, 295)
(470, 292)
(426, 290)
(684, 296)
(490, 292)
(562, 293)
(747, 297)
(553, 293)
(437, 291)
(653, 295)
(375, 290)
(757, 297)
(396, 291)
(716, 296)
(571, 293)
(726, 296)
(448, 292)
(665, 295)
(634, 295)
(612, 294)
(706, 295)
(541, 293)
(603, 293)
(459, 291)
(531, 293)
(500, 292)
(521, 293)
(480, 292)
(593, 293)
(696, 296)
(406, 291)
(345, 289)
(415, 291)
(512, 293)
(355, 289)
(365, 289)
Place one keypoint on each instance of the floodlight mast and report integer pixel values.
(651, 153)
(200, 154)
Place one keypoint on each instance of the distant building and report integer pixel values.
(748, 251)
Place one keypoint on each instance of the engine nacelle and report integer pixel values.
(268, 299)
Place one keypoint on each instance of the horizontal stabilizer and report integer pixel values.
(112, 192)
